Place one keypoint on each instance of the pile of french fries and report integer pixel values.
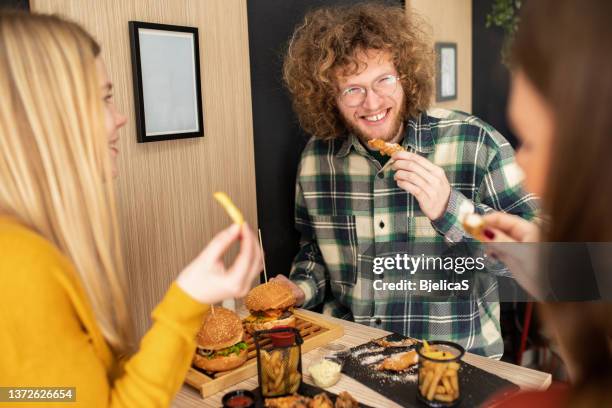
(438, 380)
(279, 371)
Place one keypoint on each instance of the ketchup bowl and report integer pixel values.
(239, 399)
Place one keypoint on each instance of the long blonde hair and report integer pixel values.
(55, 170)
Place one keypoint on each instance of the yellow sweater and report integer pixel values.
(49, 337)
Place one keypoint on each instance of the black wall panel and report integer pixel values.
(490, 78)
(15, 4)
(278, 138)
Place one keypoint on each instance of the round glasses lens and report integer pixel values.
(353, 96)
(385, 85)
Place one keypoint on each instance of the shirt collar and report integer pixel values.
(417, 136)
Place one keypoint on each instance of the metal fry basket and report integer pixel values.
(279, 361)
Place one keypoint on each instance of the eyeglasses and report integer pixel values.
(355, 95)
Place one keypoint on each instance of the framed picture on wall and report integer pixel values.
(166, 76)
(446, 71)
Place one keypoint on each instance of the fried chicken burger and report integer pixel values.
(220, 342)
(271, 305)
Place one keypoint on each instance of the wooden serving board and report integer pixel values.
(316, 332)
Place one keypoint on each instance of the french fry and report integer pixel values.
(269, 370)
(444, 397)
(447, 385)
(436, 379)
(425, 386)
(453, 366)
(437, 355)
(294, 357)
(455, 383)
(276, 384)
(276, 357)
(229, 207)
(294, 380)
(440, 389)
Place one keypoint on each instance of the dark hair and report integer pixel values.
(330, 38)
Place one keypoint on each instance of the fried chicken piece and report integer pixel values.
(321, 401)
(292, 401)
(346, 400)
(384, 147)
(399, 343)
(399, 361)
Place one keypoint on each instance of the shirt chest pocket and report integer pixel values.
(421, 229)
(337, 239)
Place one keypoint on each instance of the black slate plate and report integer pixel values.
(477, 386)
(306, 390)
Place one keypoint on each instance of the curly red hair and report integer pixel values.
(328, 42)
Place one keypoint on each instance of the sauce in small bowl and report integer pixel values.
(239, 399)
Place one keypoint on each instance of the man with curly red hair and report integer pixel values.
(361, 72)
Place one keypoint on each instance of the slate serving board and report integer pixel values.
(477, 386)
(306, 390)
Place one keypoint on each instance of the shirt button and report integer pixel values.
(380, 175)
(378, 321)
(381, 224)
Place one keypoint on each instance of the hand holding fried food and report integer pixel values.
(399, 362)
(472, 223)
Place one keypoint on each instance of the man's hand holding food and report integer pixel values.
(424, 180)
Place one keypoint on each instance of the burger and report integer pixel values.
(271, 305)
(220, 344)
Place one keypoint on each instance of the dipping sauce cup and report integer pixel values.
(239, 399)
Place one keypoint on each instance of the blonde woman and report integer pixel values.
(65, 320)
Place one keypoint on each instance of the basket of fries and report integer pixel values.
(279, 363)
(439, 364)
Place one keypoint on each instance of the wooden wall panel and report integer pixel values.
(451, 21)
(164, 188)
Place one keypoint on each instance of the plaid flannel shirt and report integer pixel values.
(345, 204)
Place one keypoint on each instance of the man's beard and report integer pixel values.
(399, 121)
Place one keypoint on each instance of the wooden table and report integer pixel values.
(355, 334)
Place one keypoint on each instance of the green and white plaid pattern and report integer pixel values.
(345, 205)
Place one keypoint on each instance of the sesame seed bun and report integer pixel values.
(220, 330)
(271, 295)
(220, 363)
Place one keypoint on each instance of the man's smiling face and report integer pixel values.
(378, 116)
